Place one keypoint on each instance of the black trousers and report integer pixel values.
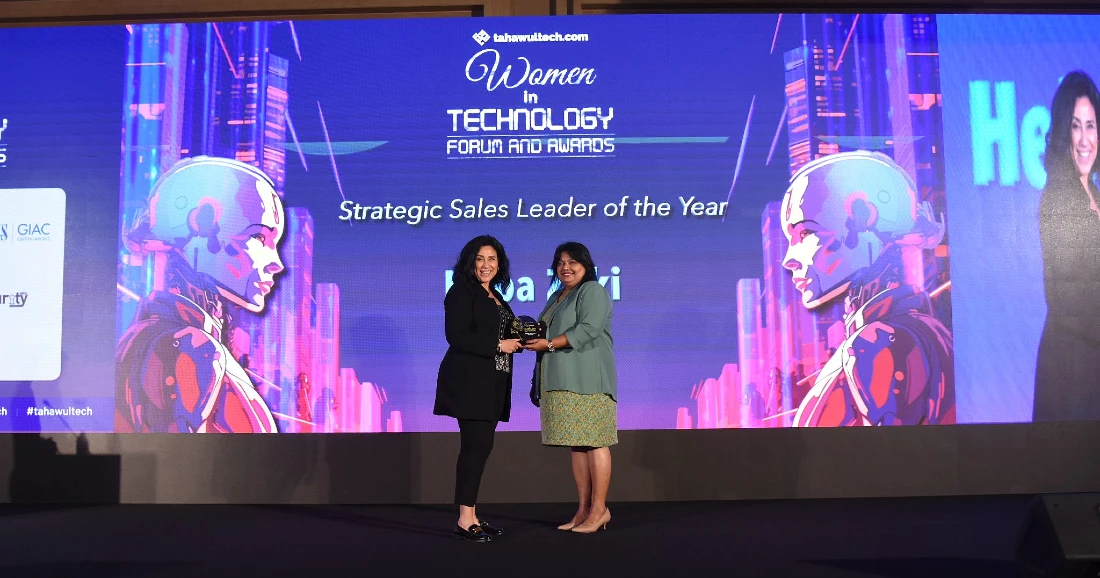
(477, 444)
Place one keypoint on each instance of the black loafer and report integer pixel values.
(474, 534)
(491, 530)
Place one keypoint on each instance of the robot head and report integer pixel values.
(841, 212)
(225, 219)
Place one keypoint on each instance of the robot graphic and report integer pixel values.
(215, 225)
(856, 231)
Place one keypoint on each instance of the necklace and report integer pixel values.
(565, 293)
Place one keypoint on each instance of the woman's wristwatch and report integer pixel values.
(550, 345)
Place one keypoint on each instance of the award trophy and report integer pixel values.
(526, 329)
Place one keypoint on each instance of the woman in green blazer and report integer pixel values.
(575, 382)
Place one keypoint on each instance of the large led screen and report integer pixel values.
(800, 220)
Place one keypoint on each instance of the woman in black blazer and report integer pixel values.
(475, 377)
(1067, 369)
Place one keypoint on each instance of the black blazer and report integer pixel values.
(469, 386)
(1067, 369)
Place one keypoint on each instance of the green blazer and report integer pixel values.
(587, 366)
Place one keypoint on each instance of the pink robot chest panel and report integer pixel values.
(829, 402)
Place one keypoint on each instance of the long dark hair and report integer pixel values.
(580, 254)
(467, 260)
(1058, 160)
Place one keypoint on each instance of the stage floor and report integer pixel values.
(903, 538)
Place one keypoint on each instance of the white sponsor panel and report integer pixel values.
(32, 264)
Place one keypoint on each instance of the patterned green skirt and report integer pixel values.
(577, 420)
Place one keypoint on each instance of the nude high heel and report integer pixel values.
(601, 524)
(570, 524)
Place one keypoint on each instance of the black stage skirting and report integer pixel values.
(904, 537)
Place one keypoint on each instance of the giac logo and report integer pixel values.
(482, 37)
(32, 232)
